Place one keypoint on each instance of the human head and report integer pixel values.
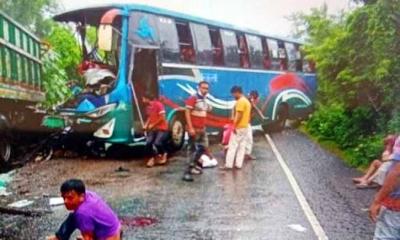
(203, 88)
(236, 92)
(73, 192)
(147, 98)
(253, 94)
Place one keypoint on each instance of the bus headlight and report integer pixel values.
(106, 131)
(101, 111)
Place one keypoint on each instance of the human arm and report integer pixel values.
(190, 105)
(189, 122)
(391, 182)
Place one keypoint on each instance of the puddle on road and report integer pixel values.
(138, 221)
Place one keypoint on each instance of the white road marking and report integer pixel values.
(319, 231)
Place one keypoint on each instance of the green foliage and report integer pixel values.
(358, 70)
(60, 64)
(31, 13)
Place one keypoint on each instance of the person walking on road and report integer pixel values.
(91, 215)
(240, 136)
(156, 127)
(195, 115)
(385, 209)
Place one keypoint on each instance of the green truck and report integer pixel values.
(20, 87)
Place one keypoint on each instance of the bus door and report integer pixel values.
(143, 37)
(144, 80)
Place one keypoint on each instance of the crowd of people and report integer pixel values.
(96, 220)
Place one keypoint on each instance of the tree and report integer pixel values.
(34, 14)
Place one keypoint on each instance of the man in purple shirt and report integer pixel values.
(91, 214)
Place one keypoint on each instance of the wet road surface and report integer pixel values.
(256, 202)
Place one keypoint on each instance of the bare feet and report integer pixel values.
(358, 180)
(150, 163)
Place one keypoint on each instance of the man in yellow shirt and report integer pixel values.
(241, 120)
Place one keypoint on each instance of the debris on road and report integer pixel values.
(138, 221)
(5, 179)
(24, 212)
(21, 203)
(56, 201)
(297, 227)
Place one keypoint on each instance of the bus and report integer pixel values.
(20, 87)
(142, 49)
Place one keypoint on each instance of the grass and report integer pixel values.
(331, 147)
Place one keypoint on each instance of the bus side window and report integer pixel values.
(243, 50)
(169, 42)
(218, 51)
(231, 50)
(256, 51)
(282, 56)
(202, 43)
(267, 58)
(299, 59)
(187, 53)
(273, 49)
(291, 56)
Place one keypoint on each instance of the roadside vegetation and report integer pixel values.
(358, 66)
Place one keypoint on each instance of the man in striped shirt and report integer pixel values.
(196, 115)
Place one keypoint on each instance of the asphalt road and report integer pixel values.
(257, 202)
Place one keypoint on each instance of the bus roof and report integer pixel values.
(93, 15)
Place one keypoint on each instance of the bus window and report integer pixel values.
(187, 53)
(143, 29)
(273, 54)
(218, 51)
(299, 58)
(231, 55)
(243, 50)
(291, 56)
(282, 54)
(256, 51)
(169, 42)
(203, 44)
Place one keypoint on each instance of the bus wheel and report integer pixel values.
(177, 128)
(279, 124)
(281, 117)
(6, 150)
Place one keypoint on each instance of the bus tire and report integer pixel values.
(6, 149)
(177, 130)
(281, 118)
(280, 122)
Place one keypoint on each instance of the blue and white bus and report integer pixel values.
(146, 49)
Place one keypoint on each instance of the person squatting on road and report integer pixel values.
(90, 214)
(156, 127)
(377, 171)
(240, 136)
(385, 209)
(195, 115)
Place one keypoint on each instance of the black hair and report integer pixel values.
(76, 185)
(149, 95)
(236, 89)
(203, 82)
(254, 93)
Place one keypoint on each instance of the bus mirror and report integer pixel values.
(105, 37)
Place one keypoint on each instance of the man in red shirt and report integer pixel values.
(156, 127)
(196, 115)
